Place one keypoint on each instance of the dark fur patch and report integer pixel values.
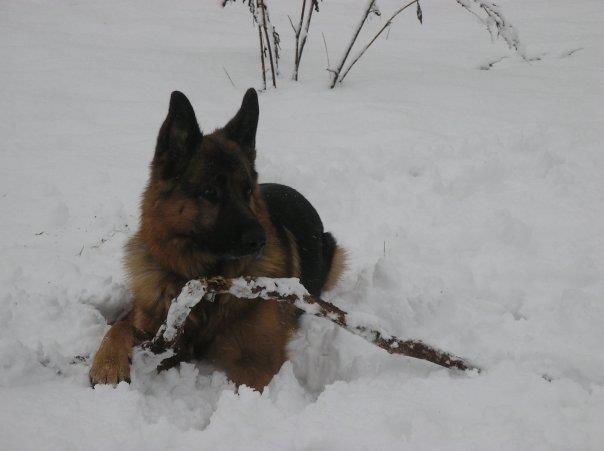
(290, 210)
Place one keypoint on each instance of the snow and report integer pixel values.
(189, 297)
(471, 202)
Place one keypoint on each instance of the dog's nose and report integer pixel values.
(253, 240)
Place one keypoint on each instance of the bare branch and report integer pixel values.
(277, 46)
(304, 35)
(291, 23)
(386, 25)
(227, 74)
(368, 9)
(302, 10)
(301, 34)
(326, 51)
(263, 64)
(260, 4)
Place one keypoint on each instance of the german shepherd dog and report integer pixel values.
(203, 214)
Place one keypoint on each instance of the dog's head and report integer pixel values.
(202, 198)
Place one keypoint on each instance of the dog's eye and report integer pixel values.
(210, 193)
(248, 192)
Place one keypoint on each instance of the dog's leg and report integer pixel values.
(253, 348)
(111, 363)
(246, 366)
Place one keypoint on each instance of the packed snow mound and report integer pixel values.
(470, 202)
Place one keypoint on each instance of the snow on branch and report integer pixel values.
(291, 292)
(496, 23)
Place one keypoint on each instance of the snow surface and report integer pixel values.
(471, 202)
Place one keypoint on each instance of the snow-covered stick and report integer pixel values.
(336, 72)
(386, 25)
(292, 292)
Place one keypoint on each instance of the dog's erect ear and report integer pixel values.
(242, 128)
(178, 137)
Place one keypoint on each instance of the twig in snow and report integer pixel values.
(262, 63)
(486, 11)
(260, 4)
(289, 291)
(489, 64)
(386, 25)
(355, 35)
(227, 74)
(297, 31)
(291, 23)
(301, 32)
(267, 33)
(571, 52)
(277, 44)
(326, 51)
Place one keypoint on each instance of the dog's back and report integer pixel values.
(290, 211)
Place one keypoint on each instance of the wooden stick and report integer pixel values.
(291, 292)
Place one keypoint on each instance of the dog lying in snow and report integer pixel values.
(204, 214)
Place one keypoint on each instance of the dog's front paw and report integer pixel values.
(111, 365)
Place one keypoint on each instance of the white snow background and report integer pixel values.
(471, 202)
